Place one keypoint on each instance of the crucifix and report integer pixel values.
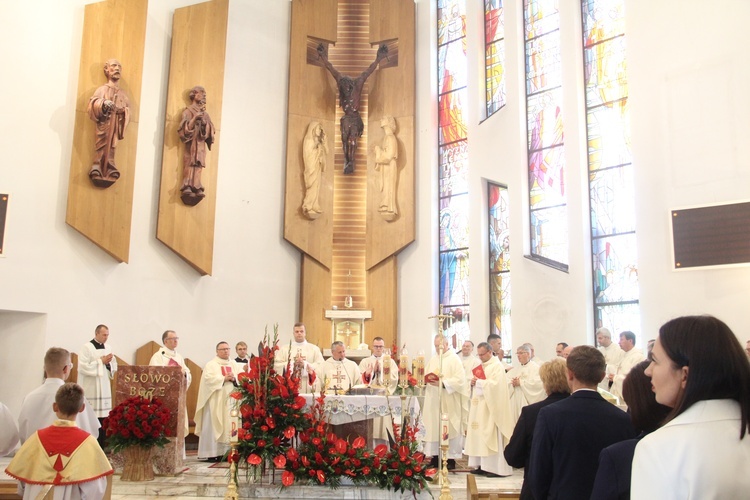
(441, 317)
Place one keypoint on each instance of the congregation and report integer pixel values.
(557, 419)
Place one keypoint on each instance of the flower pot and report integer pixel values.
(138, 465)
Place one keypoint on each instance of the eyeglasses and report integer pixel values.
(172, 338)
(378, 346)
(227, 349)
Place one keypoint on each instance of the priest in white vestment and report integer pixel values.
(8, 431)
(96, 368)
(490, 421)
(524, 382)
(36, 411)
(445, 381)
(632, 357)
(212, 419)
(470, 361)
(168, 356)
(372, 371)
(339, 374)
(303, 357)
(613, 354)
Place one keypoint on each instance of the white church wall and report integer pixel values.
(49, 268)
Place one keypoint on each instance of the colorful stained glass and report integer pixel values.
(454, 222)
(499, 276)
(612, 202)
(453, 179)
(608, 130)
(544, 118)
(602, 20)
(615, 268)
(454, 277)
(498, 219)
(621, 317)
(549, 233)
(451, 108)
(543, 68)
(453, 165)
(546, 180)
(611, 187)
(540, 17)
(494, 55)
(451, 21)
(545, 139)
(606, 72)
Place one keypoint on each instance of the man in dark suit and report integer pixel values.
(569, 435)
(518, 450)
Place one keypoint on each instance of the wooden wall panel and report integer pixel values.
(111, 29)
(392, 92)
(315, 298)
(312, 97)
(199, 34)
(382, 299)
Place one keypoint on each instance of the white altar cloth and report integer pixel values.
(347, 409)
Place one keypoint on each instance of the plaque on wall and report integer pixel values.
(711, 236)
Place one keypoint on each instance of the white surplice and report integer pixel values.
(36, 411)
(94, 377)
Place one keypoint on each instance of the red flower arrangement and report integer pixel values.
(271, 409)
(324, 458)
(137, 421)
(403, 468)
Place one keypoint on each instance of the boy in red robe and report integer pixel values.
(62, 456)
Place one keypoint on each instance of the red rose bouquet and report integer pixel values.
(137, 421)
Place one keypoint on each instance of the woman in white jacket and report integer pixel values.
(699, 369)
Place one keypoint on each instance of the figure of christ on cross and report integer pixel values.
(350, 94)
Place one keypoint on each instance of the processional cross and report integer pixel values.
(445, 493)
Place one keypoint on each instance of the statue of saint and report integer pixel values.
(197, 132)
(109, 108)
(350, 93)
(314, 154)
(386, 157)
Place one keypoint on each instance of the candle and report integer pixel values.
(386, 368)
(444, 429)
(419, 371)
(403, 363)
(234, 434)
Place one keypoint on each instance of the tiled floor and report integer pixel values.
(201, 481)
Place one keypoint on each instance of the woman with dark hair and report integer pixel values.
(613, 476)
(699, 370)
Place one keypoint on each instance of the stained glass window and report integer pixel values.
(547, 198)
(453, 167)
(499, 241)
(494, 55)
(611, 190)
